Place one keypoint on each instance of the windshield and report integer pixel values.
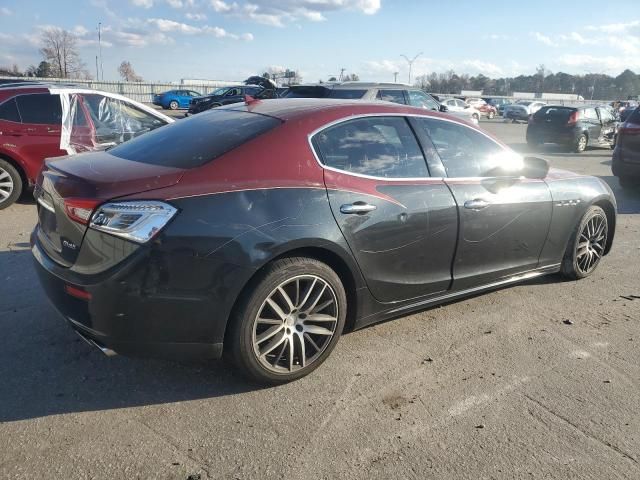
(524, 102)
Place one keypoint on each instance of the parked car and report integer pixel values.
(498, 103)
(625, 163)
(455, 105)
(388, 92)
(483, 107)
(175, 99)
(521, 110)
(625, 109)
(574, 127)
(223, 96)
(263, 230)
(32, 118)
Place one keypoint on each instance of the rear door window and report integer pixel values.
(374, 146)
(210, 134)
(40, 108)
(395, 96)
(9, 111)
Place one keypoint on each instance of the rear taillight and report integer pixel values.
(573, 118)
(629, 130)
(80, 209)
(138, 221)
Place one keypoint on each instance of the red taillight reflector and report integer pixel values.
(628, 130)
(80, 209)
(77, 292)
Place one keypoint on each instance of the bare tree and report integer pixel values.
(60, 50)
(127, 72)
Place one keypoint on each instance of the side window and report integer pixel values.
(395, 96)
(41, 108)
(466, 152)
(591, 114)
(419, 99)
(375, 146)
(233, 92)
(9, 111)
(605, 115)
(460, 104)
(193, 94)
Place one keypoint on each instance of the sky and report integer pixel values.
(168, 40)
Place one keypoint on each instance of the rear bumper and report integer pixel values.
(516, 115)
(120, 317)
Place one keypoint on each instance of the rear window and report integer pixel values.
(634, 117)
(347, 94)
(192, 142)
(306, 92)
(554, 114)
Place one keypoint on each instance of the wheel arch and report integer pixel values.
(610, 212)
(334, 260)
(18, 166)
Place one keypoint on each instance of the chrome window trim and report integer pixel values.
(395, 179)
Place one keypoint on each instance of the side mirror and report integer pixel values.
(534, 167)
(443, 108)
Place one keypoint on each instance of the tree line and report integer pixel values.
(595, 86)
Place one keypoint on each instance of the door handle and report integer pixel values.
(476, 204)
(358, 208)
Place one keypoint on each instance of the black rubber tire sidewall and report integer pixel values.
(240, 338)
(569, 268)
(17, 184)
(576, 145)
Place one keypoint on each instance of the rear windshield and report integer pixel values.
(347, 94)
(634, 117)
(195, 141)
(306, 92)
(554, 114)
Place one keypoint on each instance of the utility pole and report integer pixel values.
(410, 62)
(97, 71)
(395, 77)
(100, 52)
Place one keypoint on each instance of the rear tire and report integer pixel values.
(10, 184)
(173, 105)
(288, 320)
(491, 115)
(586, 246)
(580, 144)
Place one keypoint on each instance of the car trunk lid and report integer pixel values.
(69, 188)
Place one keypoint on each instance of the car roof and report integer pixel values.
(357, 85)
(291, 108)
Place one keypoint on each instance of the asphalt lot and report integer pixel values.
(498, 386)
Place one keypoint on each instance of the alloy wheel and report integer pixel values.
(295, 324)
(591, 244)
(582, 143)
(6, 185)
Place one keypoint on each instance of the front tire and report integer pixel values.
(10, 184)
(288, 320)
(586, 246)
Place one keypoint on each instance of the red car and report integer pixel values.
(38, 121)
(483, 107)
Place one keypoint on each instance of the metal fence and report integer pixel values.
(139, 91)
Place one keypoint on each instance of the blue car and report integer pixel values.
(174, 99)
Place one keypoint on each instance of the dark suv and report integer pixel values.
(388, 92)
(575, 127)
(223, 96)
(626, 156)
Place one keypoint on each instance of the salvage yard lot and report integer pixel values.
(539, 380)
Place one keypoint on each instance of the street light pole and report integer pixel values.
(100, 51)
(395, 77)
(410, 62)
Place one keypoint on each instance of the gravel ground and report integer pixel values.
(539, 380)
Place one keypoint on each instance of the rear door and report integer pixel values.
(504, 220)
(41, 115)
(400, 223)
(592, 122)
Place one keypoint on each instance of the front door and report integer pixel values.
(504, 220)
(400, 224)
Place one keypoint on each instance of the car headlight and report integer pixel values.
(138, 221)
